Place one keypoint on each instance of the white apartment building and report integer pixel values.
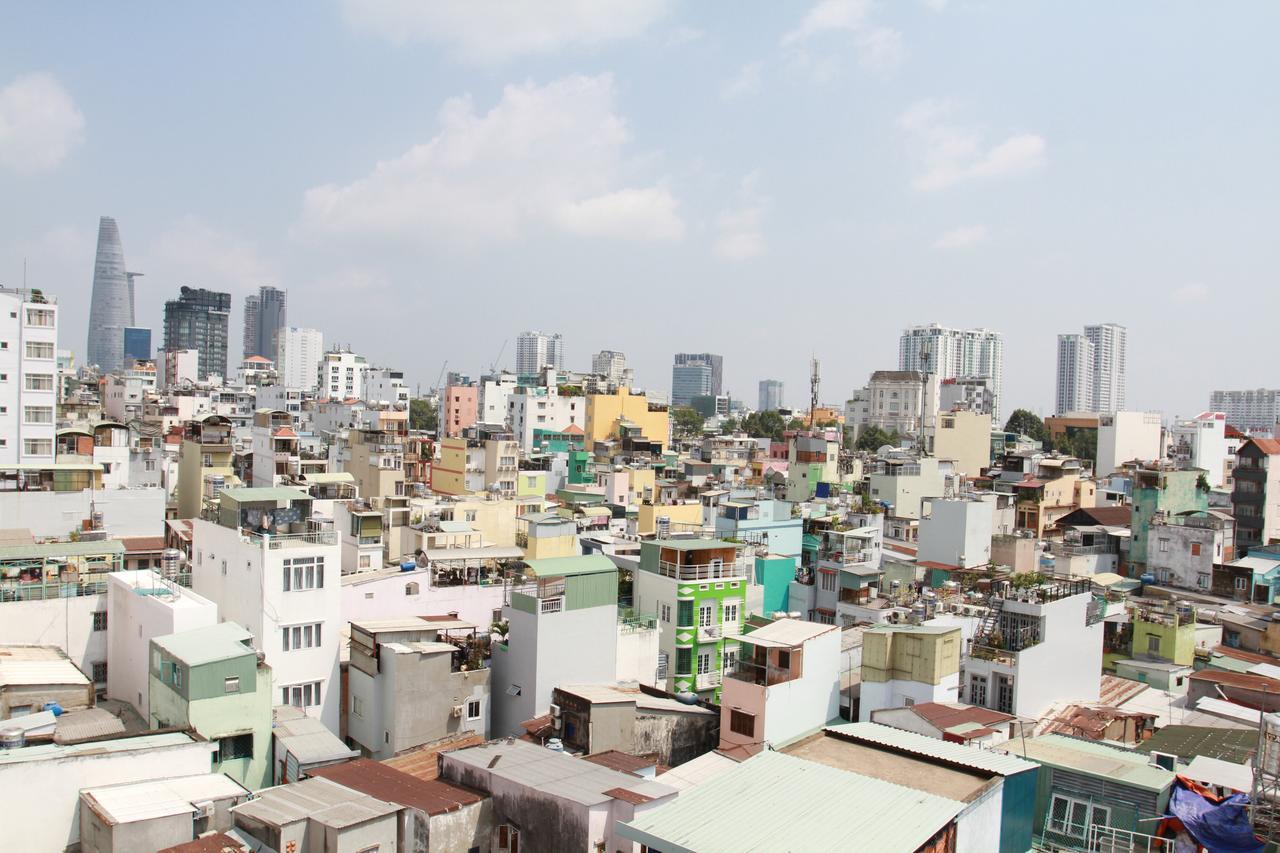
(384, 385)
(124, 394)
(275, 447)
(956, 532)
(1110, 371)
(1126, 436)
(495, 392)
(950, 353)
(180, 367)
(534, 351)
(1049, 650)
(298, 356)
(341, 375)
(1201, 442)
(1256, 409)
(609, 364)
(28, 377)
(534, 408)
(970, 393)
(1075, 375)
(284, 398)
(273, 569)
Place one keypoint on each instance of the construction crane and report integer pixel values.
(443, 367)
(493, 365)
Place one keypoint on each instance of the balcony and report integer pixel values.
(761, 674)
(708, 680)
(317, 533)
(710, 633)
(735, 570)
(848, 558)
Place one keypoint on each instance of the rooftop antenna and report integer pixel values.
(813, 389)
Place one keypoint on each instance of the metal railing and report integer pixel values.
(710, 632)
(629, 619)
(708, 680)
(11, 590)
(735, 569)
(762, 674)
(316, 534)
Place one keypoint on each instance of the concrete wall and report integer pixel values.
(63, 622)
(467, 827)
(1124, 436)
(894, 694)
(637, 654)
(99, 836)
(385, 598)
(956, 532)
(50, 789)
(1066, 665)
(126, 512)
(978, 826)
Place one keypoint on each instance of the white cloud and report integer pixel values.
(879, 49)
(489, 31)
(739, 230)
(745, 82)
(955, 154)
(1189, 293)
(963, 237)
(936, 5)
(549, 156)
(683, 35)
(39, 123)
(195, 253)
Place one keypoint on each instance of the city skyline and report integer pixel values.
(948, 181)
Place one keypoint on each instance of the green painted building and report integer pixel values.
(775, 573)
(1160, 490)
(210, 679)
(698, 588)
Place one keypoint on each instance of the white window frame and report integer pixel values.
(479, 709)
(707, 656)
(1091, 812)
(708, 608)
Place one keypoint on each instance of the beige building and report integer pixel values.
(376, 461)
(204, 463)
(965, 438)
(610, 415)
(907, 665)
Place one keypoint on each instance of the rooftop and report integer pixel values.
(944, 752)
(246, 494)
(1235, 745)
(50, 751)
(223, 641)
(384, 782)
(695, 544)
(723, 813)
(944, 715)
(567, 566)
(1122, 766)
(316, 799)
(786, 633)
(37, 665)
(62, 549)
(138, 801)
(307, 739)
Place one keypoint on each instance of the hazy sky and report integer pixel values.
(763, 180)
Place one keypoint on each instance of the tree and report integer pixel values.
(688, 423)
(1080, 442)
(797, 423)
(729, 425)
(873, 438)
(831, 423)
(1026, 423)
(423, 415)
(764, 425)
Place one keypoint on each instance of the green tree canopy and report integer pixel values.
(764, 424)
(729, 425)
(688, 422)
(873, 438)
(423, 415)
(1026, 423)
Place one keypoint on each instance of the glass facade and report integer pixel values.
(198, 320)
(111, 305)
(137, 344)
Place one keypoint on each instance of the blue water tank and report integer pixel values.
(1148, 578)
(408, 565)
(54, 708)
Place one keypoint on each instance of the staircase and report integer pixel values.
(990, 623)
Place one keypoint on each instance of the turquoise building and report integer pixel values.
(1162, 490)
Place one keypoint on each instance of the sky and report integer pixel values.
(771, 181)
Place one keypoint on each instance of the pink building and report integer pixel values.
(461, 403)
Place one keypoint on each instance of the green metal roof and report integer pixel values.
(731, 812)
(1122, 766)
(222, 641)
(990, 760)
(245, 494)
(589, 564)
(62, 549)
(1235, 745)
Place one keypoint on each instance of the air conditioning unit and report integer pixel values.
(556, 723)
(456, 712)
(1166, 760)
(555, 710)
(203, 809)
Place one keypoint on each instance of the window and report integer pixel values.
(704, 663)
(684, 613)
(411, 588)
(37, 414)
(39, 381)
(684, 661)
(99, 620)
(236, 746)
(357, 706)
(301, 695)
(666, 612)
(1004, 694)
(1072, 817)
(303, 573)
(100, 672)
(730, 612)
(784, 659)
(301, 636)
(231, 684)
(175, 673)
(1195, 549)
(473, 709)
(1153, 644)
(828, 581)
(551, 605)
(978, 690)
(1240, 584)
(706, 615)
(730, 656)
(40, 317)
(1164, 546)
(742, 723)
(40, 349)
(508, 839)
(469, 515)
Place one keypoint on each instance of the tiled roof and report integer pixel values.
(136, 544)
(1269, 446)
(423, 763)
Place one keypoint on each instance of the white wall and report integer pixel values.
(810, 701)
(978, 826)
(1065, 666)
(126, 512)
(134, 620)
(385, 598)
(63, 622)
(1123, 436)
(956, 532)
(41, 804)
(894, 694)
(637, 654)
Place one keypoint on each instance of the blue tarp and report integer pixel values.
(1222, 827)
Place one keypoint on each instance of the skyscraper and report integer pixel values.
(609, 364)
(711, 360)
(264, 317)
(770, 395)
(690, 380)
(198, 320)
(298, 355)
(1075, 375)
(534, 351)
(111, 305)
(951, 353)
(137, 344)
(1091, 370)
(1110, 379)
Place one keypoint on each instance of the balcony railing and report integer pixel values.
(709, 633)
(703, 571)
(95, 584)
(848, 558)
(317, 534)
(762, 674)
(708, 680)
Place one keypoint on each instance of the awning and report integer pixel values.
(322, 477)
(488, 552)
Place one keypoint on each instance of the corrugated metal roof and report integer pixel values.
(223, 641)
(248, 494)
(388, 784)
(785, 633)
(1123, 766)
(554, 567)
(89, 724)
(326, 802)
(62, 549)
(51, 751)
(733, 811)
(21, 665)
(161, 798)
(310, 742)
(991, 761)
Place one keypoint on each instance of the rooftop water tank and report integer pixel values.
(12, 738)
(555, 744)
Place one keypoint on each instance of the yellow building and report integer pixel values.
(204, 456)
(1041, 503)
(647, 515)
(607, 414)
(377, 462)
(545, 534)
(919, 653)
(449, 472)
(965, 438)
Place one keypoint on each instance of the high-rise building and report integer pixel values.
(298, 355)
(264, 317)
(770, 395)
(198, 319)
(951, 353)
(341, 375)
(534, 351)
(696, 374)
(1110, 380)
(1091, 370)
(1255, 409)
(137, 344)
(111, 305)
(609, 364)
(28, 377)
(1075, 375)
